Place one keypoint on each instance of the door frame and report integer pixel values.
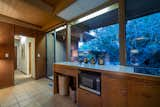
(53, 34)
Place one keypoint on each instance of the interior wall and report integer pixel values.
(16, 44)
(7, 32)
(40, 55)
(23, 59)
(32, 41)
(40, 49)
(6, 47)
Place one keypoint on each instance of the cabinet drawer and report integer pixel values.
(87, 99)
(66, 70)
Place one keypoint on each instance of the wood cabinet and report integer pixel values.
(128, 91)
(118, 89)
(144, 93)
(114, 91)
(66, 70)
(88, 99)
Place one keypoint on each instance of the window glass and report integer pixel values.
(96, 40)
(143, 42)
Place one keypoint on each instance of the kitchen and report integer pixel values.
(108, 63)
(86, 53)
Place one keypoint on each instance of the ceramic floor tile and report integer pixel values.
(32, 93)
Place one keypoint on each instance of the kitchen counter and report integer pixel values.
(130, 89)
(105, 68)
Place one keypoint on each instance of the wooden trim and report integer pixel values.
(54, 27)
(122, 32)
(14, 21)
(68, 43)
(108, 3)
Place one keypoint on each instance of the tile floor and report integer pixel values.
(32, 93)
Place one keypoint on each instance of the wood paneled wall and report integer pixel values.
(6, 46)
(7, 32)
(41, 50)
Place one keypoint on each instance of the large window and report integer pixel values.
(97, 38)
(143, 41)
(103, 40)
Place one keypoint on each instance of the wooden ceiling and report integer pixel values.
(41, 14)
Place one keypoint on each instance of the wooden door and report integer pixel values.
(15, 57)
(30, 58)
(114, 91)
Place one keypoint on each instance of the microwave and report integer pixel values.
(90, 81)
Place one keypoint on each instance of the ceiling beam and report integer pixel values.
(10, 20)
(50, 2)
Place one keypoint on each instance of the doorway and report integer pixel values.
(56, 49)
(15, 57)
(30, 58)
(24, 59)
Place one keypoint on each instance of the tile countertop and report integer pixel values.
(114, 68)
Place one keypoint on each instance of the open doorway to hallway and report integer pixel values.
(24, 59)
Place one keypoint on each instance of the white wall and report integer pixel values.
(32, 41)
(17, 44)
(23, 60)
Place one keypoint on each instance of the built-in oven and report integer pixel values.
(90, 81)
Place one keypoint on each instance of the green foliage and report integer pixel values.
(143, 34)
(106, 40)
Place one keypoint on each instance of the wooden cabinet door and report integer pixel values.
(87, 99)
(114, 91)
(144, 93)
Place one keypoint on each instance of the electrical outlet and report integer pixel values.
(6, 55)
(38, 55)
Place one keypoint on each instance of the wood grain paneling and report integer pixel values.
(118, 89)
(87, 99)
(122, 32)
(19, 30)
(40, 48)
(6, 46)
(114, 91)
(6, 73)
(69, 71)
(143, 93)
(41, 60)
(7, 32)
(36, 13)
